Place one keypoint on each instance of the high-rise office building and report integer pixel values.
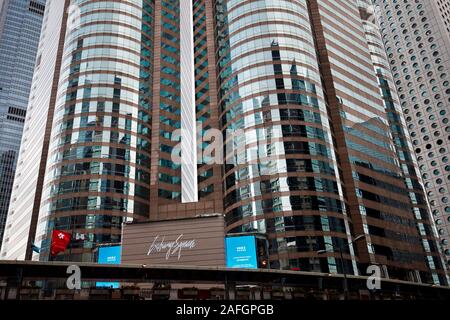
(443, 10)
(121, 71)
(20, 26)
(381, 205)
(417, 41)
(319, 154)
(25, 197)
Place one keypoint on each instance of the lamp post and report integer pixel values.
(341, 253)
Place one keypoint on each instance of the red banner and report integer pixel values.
(60, 241)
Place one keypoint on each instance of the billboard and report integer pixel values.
(196, 241)
(109, 255)
(241, 252)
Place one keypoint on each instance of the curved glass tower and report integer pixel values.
(98, 167)
(285, 182)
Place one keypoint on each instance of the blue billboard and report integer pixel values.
(241, 252)
(109, 255)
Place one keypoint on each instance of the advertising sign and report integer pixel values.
(196, 241)
(241, 252)
(109, 255)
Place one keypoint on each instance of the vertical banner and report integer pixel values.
(109, 255)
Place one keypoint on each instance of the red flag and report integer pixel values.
(60, 240)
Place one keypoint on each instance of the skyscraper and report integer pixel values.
(417, 40)
(319, 154)
(20, 26)
(25, 198)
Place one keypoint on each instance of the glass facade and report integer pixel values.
(169, 113)
(285, 183)
(403, 146)
(315, 150)
(372, 170)
(20, 26)
(417, 41)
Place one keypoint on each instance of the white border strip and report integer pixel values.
(189, 185)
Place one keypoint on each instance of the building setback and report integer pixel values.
(417, 41)
(316, 163)
(20, 26)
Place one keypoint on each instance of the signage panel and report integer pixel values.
(241, 252)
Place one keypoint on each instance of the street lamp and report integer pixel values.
(341, 253)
